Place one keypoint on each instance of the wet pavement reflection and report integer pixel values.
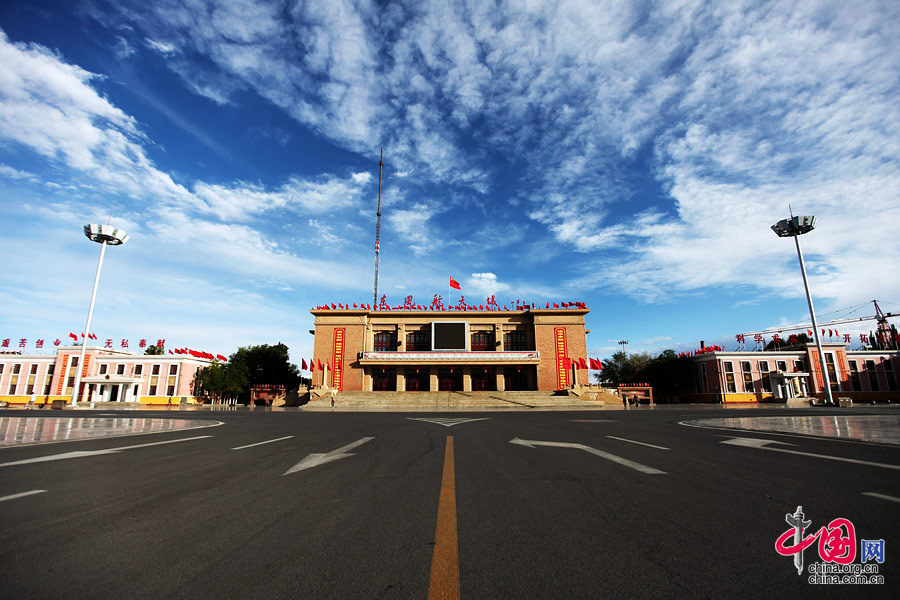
(16, 431)
(884, 429)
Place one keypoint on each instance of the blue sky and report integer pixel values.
(630, 155)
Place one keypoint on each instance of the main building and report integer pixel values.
(448, 350)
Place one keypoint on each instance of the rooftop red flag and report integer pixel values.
(312, 367)
(555, 305)
(454, 284)
(594, 362)
(220, 357)
(303, 364)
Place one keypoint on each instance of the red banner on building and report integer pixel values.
(337, 363)
(562, 373)
(62, 379)
(87, 362)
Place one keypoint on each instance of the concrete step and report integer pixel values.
(450, 400)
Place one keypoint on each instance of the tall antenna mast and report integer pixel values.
(378, 227)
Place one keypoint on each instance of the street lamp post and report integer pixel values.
(105, 235)
(623, 343)
(795, 227)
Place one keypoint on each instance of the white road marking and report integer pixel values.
(612, 437)
(616, 459)
(22, 495)
(316, 459)
(83, 453)
(593, 420)
(764, 445)
(882, 496)
(447, 421)
(287, 437)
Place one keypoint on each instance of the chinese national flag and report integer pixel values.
(555, 305)
(454, 284)
(303, 364)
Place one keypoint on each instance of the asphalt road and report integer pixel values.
(685, 516)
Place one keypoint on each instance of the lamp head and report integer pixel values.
(105, 233)
(794, 226)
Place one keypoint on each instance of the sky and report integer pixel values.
(630, 155)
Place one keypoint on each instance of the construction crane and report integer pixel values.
(884, 328)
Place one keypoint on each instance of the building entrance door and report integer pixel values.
(450, 379)
(384, 380)
(417, 380)
(516, 378)
(483, 379)
(114, 393)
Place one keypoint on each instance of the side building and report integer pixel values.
(779, 375)
(106, 376)
(448, 350)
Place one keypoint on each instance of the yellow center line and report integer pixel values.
(445, 560)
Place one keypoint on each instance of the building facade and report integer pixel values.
(777, 376)
(106, 376)
(448, 350)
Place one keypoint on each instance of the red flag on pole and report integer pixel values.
(312, 367)
(582, 364)
(454, 284)
(566, 362)
(319, 363)
(303, 364)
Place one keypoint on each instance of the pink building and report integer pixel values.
(777, 376)
(107, 376)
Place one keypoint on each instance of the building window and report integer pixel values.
(138, 369)
(173, 369)
(873, 376)
(418, 341)
(703, 381)
(781, 365)
(799, 367)
(385, 341)
(482, 341)
(170, 391)
(103, 369)
(747, 372)
(120, 369)
(48, 381)
(764, 376)
(832, 372)
(14, 379)
(155, 370)
(514, 341)
(730, 387)
(889, 374)
(855, 383)
(34, 369)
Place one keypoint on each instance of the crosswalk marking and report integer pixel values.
(446, 421)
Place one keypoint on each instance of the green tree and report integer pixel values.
(154, 350)
(221, 381)
(624, 368)
(266, 365)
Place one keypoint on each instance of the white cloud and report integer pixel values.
(13, 173)
(161, 47)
